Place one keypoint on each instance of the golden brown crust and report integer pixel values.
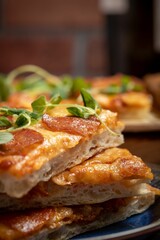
(53, 144)
(16, 225)
(112, 165)
(21, 156)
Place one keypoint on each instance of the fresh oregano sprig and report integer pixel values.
(25, 118)
(90, 108)
(5, 122)
(41, 105)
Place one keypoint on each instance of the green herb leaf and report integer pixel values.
(56, 99)
(90, 108)
(126, 84)
(78, 84)
(39, 105)
(5, 137)
(63, 87)
(4, 88)
(33, 83)
(112, 89)
(70, 86)
(89, 101)
(138, 88)
(25, 117)
(81, 111)
(34, 116)
(23, 120)
(4, 122)
(7, 111)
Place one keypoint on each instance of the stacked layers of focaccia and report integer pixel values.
(63, 174)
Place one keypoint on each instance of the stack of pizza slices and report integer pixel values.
(62, 171)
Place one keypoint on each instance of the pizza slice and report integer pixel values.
(114, 173)
(123, 94)
(62, 223)
(36, 145)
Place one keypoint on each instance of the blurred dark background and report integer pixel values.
(133, 38)
(79, 37)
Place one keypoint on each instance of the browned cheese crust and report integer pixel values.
(16, 225)
(32, 147)
(113, 165)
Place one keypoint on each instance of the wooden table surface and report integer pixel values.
(144, 144)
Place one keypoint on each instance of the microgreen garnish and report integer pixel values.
(90, 108)
(70, 86)
(4, 88)
(126, 85)
(35, 79)
(5, 137)
(40, 105)
(37, 71)
(79, 83)
(4, 122)
(81, 111)
(89, 101)
(23, 118)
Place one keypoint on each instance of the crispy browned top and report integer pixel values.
(112, 165)
(16, 225)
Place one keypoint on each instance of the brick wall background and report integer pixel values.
(62, 36)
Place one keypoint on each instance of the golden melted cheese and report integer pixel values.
(54, 143)
(112, 165)
(17, 225)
